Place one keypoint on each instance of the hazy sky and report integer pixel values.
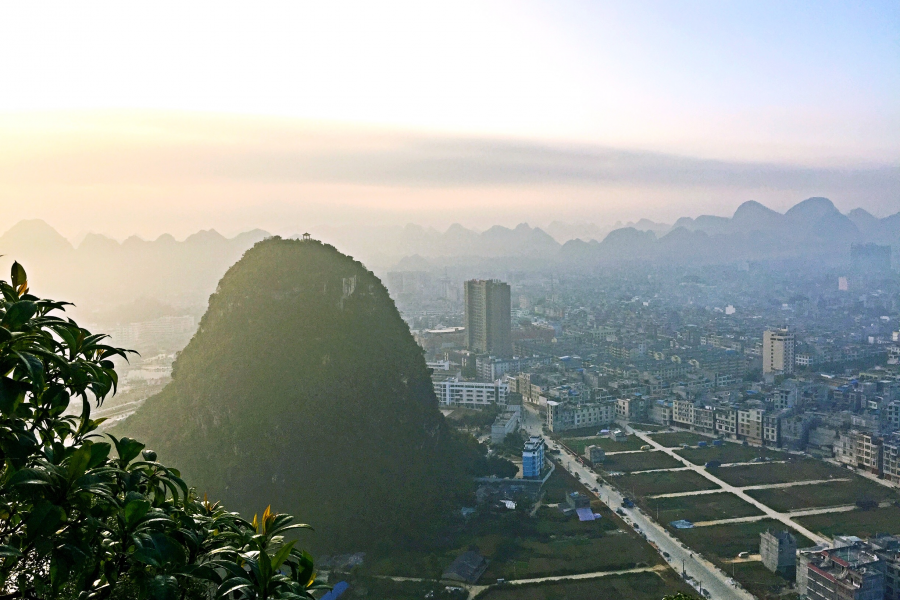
(143, 118)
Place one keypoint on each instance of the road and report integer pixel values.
(681, 558)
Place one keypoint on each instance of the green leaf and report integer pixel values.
(128, 449)
(163, 587)
(9, 552)
(134, 511)
(18, 275)
(18, 314)
(99, 453)
(79, 461)
(282, 555)
(12, 393)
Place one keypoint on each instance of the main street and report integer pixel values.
(711, 580)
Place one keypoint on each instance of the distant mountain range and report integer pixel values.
(179, 276)
(162, 276)
(813, 229)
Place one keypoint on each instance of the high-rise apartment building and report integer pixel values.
(778, 351)
(488, 320)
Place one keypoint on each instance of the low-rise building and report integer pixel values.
(778, 551)
(533, 458)
(850, 572)
(595, 454)
(454, 391)
(505, 423)
(562, 416)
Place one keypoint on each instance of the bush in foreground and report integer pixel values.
(92, 517)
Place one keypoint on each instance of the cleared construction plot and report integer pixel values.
(729, 453)
(833, 493)
(638, 461)
(634, 586)
(703, 507)
(861, 523)
(806, 469)
(676, 439)
(722, 543)
(632, 442)
(664, 482)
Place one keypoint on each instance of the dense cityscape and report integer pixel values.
(747, 368)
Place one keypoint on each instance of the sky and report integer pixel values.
(126, 118)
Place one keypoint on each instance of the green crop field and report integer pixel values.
(519, 546)
(663, 482)
(633, 586)
(704, 507)
(758, 580)
(833, 493)
(675, 439)
(796, 470)
(861, 523)
(729, 453)
(579, 444)
(639, 461)
(560, 483)
(719, 542)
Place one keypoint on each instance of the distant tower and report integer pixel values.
(306, 237)
(488, 317)
(778, 352)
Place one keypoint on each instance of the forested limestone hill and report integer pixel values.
(304, 388)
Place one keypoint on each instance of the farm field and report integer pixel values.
(663, 482)
(724, 542)
(633, 586)
(677, 438)
(705, 507)
(639, 461)
(796, 470)
(519, 546)
(833, 493)
(861, 523)
(759, 581)
(579, 444)
(728, 453)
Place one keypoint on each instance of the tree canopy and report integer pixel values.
(99, 517)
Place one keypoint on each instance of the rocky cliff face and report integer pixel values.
(304, 388)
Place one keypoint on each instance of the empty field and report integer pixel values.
(833, 493)
(664, 482)
(579, 444)
(652, 427)
(796, 470)
(705, 507)
(639, 461)
(719, 542)
(759, 581)
(675, 439)
(729, 453)
(634, 586)
(861, 523)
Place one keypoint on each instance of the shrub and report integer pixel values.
(88, 517)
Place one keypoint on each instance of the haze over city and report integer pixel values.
(124, 120)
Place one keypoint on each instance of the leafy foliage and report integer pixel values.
(79, 520)
(303, 381)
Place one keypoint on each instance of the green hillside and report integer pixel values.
(303, 387)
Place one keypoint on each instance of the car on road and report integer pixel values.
(666, 554)
(619, 511)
